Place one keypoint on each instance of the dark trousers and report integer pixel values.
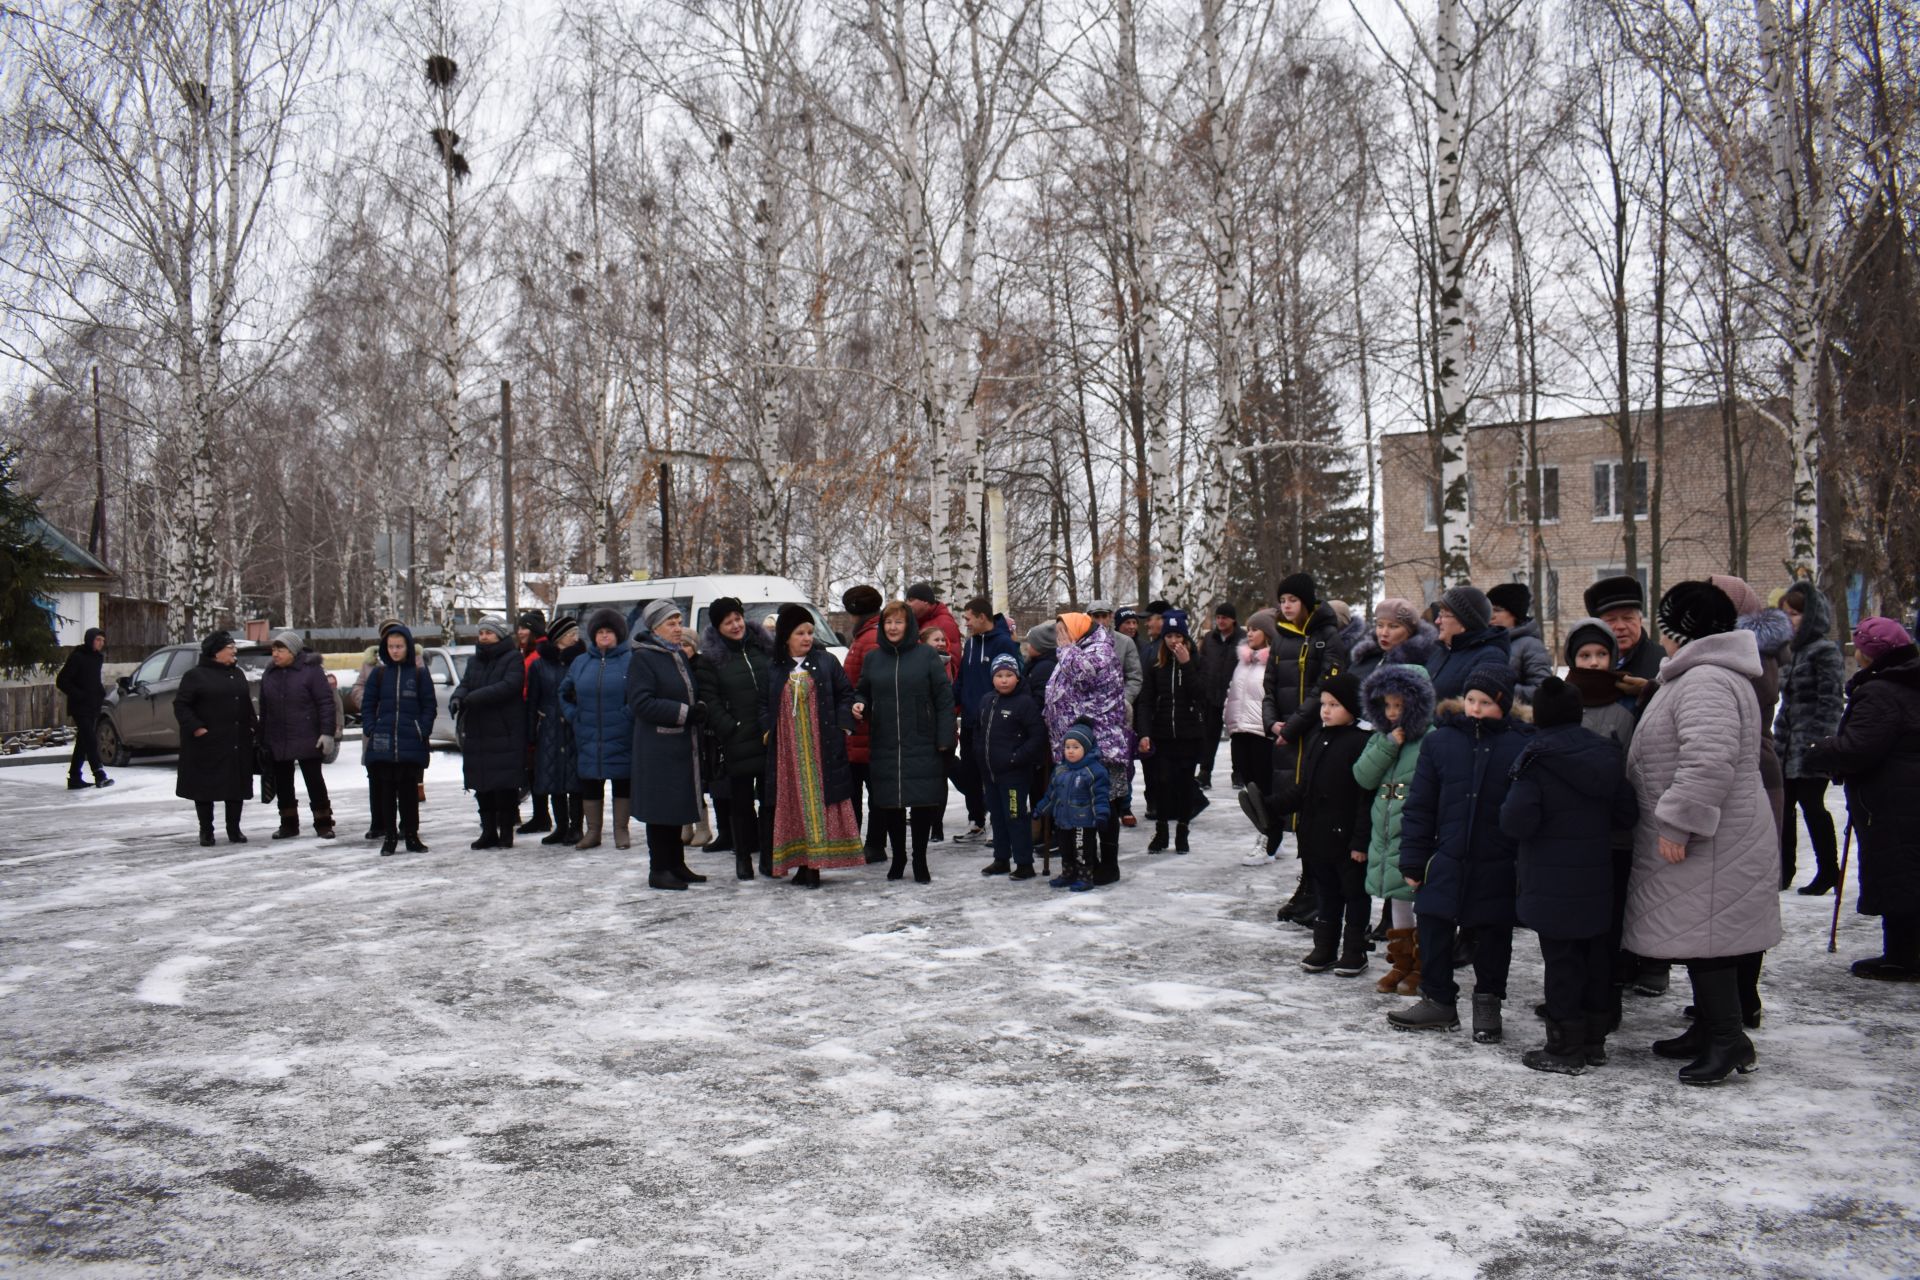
(1170, 778)
(1340, 887)
(1579, 973)
(86, 747)
(862, 779)
(1078, 849)
(971, 778)
(1809, 795)
(1012, 820)
(1252, 755)
(204, 810)
(1209, 751)
(596, 788)
(313, 773)
(1492, 958)
(395, 787)
(897, 825)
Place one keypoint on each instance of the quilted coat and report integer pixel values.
(1386, 768)
(661, 695)
(555, 769)
(398, 704)
(909, 719)
(594, 699)
(1528, 654)
(492, 713)
(1087, 684)
(1693, 773)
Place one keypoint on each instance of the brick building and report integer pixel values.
(1585, 493)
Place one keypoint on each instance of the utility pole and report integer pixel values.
(97, 535)
(666, 520)
(506, 489)
(413, 575)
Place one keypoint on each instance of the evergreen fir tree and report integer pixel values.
(28, 568)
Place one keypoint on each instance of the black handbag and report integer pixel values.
(263, 762)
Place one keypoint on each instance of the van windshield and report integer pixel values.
(761, 613)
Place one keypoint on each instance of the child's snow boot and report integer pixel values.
(1399, 960)
(1326, 936)
(1159, 842)
(1353, 953)
(1486, 1019)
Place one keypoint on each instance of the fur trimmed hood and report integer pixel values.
(1771, 629)
(1454, 712)
(715, 648)
(1415, 690)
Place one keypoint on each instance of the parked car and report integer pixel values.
(446, 664)
(138, 713)
(759, 594)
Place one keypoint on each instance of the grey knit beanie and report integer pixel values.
(1469, 604)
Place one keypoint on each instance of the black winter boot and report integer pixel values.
(234, 834)
(1326, 936)
(1180, 844)
(204, 811)
(1598, 1026)
(661, 876)
(1301, 908)
(567, 812)
(898, 870)
(506, 812)
(1653, 978)
(920, 873)
(722, 841)
(1685, 1047)
(389, 846)
(323, 824)
(1486, 1019)
(289, 823)
(1159, 842)
(1716, 995)
(1565, 1052)
(489, 837)
(1353, 953)
(538, 821)
(743, 866)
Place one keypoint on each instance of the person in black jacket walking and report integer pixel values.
(1012, 742)
(1335, 828)
(79, 679)
(1218, 653)
(1173, 727)
(218, 729)
(493, 730)
(1568, 792)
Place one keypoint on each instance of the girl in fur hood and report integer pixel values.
(1399, 702)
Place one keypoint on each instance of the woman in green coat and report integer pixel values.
(906, 700)
(1399, 702)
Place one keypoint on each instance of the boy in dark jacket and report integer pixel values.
(1568, 790)
(1010, 738)
(1335, 828)
(1459, 861)
(79, 679)
(1079, 799)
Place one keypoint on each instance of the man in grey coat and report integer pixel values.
(1705, 866)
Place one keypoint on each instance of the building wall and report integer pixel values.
(1584, 544)
(75, 612)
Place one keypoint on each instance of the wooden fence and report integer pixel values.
(31, 706)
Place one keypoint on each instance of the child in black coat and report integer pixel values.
(1569, 792)
(1010, 741)
(1335, 828)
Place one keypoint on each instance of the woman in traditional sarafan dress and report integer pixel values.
(807, 714)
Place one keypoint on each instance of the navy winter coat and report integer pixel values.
(1568, 793)
(975, 680)
(556, 771)
(1079, 795)
(1037, 676)
(833, 719)
(296, 707)
(1451, 667)
(661, 696)
(398, 705)
(1877, 754)
(492, 713)
(594, 698)
(1336, 812)
(1450, 836)
(909, 718)
(1010, 735)
(79, 679)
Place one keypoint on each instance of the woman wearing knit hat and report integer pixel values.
(807, 715)
(1459, 861)
(593, 698)
(491, 711)
(556, 771)
(1704, 886)
(1468, 640)
(1877, 753)
(1812, 697)
(663, 697)
(214, 705)
(1512, 609)
(1308, 652)
(1172, 727)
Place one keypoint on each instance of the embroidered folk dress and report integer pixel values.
(807, 831)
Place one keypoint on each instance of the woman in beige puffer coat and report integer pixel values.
(1704, 888)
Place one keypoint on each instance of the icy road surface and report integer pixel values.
(301, 1059)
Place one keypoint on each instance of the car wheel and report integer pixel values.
(113, 752)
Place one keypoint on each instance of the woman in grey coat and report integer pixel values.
(1703, 888)
(664, 699)
(1812, 698)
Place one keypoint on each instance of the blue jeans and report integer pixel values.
(1012, 821)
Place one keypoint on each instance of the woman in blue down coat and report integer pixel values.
(397, 710)
(593, 698)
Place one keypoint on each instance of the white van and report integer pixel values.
(761, 596)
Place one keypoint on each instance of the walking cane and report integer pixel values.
(1840, 889)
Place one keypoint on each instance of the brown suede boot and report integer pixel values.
(592, 810)
(1410, 984)
(622, 812)
(1399, 960)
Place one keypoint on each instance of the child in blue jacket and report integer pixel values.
(1009, 739)
(1079, 799)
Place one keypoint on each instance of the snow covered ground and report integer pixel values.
(301, 1059)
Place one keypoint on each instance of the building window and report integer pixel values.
(1432, 520)
(1542, 486)
(1610, 490)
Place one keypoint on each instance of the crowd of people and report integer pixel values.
(1636, 812)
